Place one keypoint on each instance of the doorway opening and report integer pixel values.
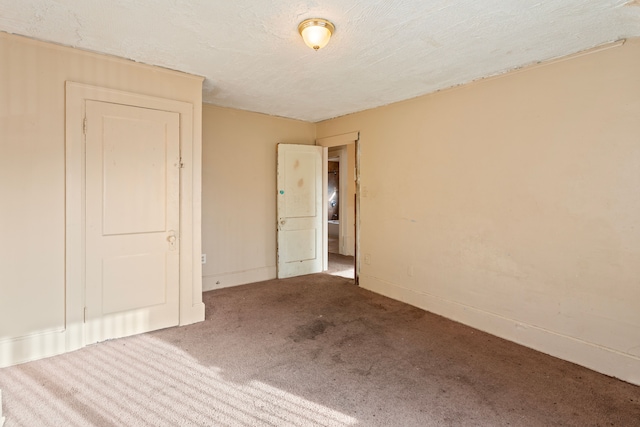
(303, 208)
(341, 210)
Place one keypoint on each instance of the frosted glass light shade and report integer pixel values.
(316, 32)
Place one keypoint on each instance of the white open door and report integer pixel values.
(132, 219)
(300, 210)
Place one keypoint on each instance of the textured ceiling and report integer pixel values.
(382, 51)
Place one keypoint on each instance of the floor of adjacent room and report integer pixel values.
(339, 265)
(312, 350)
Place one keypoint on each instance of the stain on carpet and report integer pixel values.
(310, 330)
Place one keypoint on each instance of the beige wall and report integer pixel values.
(32, 177)
(239, 192)
(512, 204)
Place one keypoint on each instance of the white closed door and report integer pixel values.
(132, 218)
(300, 226)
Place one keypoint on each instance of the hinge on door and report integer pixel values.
(84, 126)
(181, 165)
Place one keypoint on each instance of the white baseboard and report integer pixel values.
(40, 345)
(225, 280)
(32, 347)
(590, 355)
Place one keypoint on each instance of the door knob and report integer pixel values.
(171, 238)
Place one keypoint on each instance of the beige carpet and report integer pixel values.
(312, 351)
(333, 243)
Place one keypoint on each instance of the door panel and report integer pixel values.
(134, 205)
(299, 245)
(144, 270)
(300, 172)
(132, 218)
(299, 210)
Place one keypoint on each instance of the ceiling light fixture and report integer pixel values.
(316, 32)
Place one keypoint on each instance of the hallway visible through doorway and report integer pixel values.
(341, 204)
(339, 262)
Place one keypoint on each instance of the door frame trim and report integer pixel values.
(191, 306)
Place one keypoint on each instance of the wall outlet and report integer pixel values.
(367, 258)
(203, 258)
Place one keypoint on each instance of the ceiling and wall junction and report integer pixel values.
(382, 51)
